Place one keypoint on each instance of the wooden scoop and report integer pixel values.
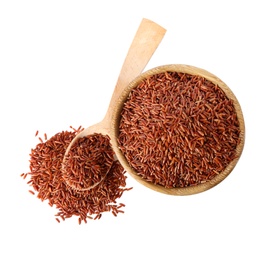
(145, 42)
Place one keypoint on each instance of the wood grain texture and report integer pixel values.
(193, 71)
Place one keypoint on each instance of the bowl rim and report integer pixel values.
(116, 115)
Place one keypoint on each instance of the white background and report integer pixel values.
(59, 62)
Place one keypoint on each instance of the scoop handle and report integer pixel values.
(145, 42)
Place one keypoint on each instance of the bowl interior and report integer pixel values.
(114, 131)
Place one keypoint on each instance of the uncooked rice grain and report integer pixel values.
(47, 180)
(88, 161)
(178, 130)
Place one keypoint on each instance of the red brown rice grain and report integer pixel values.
(88, 161)
(178, 130)
(47, 180)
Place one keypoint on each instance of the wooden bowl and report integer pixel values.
(116, 116)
